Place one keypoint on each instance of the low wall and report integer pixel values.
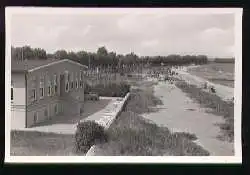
(107, 120)
(113, 112)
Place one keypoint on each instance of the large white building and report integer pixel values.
(43, 89)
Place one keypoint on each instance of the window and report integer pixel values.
(66, 81)
(33, 89)
(55, 84)
(41, 87)
(12, 92)
(56, 109)
(41, 93)
(71, 81)
(35, 117)
(81, 79)
(67, 87)
(33, 94)
(76, 81)
(49, 88)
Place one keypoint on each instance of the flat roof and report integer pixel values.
(30, 65)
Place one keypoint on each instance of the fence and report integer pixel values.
(108, 76)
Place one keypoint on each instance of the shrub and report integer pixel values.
(110, 90)
(87, 134)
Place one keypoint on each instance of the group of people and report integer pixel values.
(163, 74)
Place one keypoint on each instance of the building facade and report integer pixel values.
(44, 90)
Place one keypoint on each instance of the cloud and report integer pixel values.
(144, 34)
(150, 43)
(217, 35)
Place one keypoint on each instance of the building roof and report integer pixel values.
(29, 65)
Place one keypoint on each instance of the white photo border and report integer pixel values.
(237, 158)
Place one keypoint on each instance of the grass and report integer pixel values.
(32, 143)
(109, 90)
(142, 101)
(130, 135)
(223, 81)
(133, 135)
(216, 104)
(210, 71)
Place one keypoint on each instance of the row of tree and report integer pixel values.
(176, 60)
(26, 52)
(103, 58)
(224, 60)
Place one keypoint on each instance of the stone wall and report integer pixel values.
(107, 120)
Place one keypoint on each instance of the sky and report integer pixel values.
(143, 34)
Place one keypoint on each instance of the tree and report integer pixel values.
(83, 57)
(22, 53)
(49, 55)
(61, 54)
(27, 52)
(130, 59)
(102, 51)
(113, 59)
(39, 53)
(103, 58)
(73, 56)
(15, 54)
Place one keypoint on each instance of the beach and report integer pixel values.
(224, 92)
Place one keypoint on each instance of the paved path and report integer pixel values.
(107, 115)
(93, 111)
(180, 114)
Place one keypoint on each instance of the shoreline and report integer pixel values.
(224, 92)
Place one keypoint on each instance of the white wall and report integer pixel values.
(18, 106)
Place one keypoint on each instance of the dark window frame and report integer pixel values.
(12, 94)
(33, 94)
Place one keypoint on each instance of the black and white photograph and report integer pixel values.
(123, 85)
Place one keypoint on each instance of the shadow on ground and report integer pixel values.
(90, 107)
(32, 143)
